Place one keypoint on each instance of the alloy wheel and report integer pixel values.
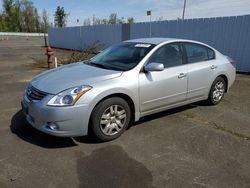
(113, 120)
(218, 92)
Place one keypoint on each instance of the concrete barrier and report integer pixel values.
(22, 34)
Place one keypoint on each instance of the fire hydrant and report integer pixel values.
(50, 54)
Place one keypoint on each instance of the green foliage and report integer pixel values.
(45, 21)
(131, 20)
(29, 16)
(3, 26)
(11, 15)
(60, 17)
(113, 19)
(21, 16)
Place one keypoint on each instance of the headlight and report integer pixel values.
(69, 96)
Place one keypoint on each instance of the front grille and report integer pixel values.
(34, 94)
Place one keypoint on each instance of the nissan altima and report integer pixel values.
(123, 83)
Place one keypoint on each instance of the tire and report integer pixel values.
(217, 91)
(110, 118)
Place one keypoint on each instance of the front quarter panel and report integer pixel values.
(126, 84)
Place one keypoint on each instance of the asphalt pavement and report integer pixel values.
(191, 146)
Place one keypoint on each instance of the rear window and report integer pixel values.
(197, 53)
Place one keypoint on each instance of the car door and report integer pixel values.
(162, 88)
(199, 60)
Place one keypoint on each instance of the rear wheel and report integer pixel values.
(110, 118)
(217, 91)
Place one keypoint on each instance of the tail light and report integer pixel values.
(231, 61)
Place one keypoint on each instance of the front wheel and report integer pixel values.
(217, 91)
(110, 118)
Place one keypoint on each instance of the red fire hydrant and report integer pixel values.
(50, 54)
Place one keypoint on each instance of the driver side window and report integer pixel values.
(169, 55)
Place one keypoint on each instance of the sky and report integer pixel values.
(168, 9)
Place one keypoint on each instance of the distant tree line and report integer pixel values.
(113, 19)
(22, 16)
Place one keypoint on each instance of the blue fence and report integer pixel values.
(230, 35)
(77, 38)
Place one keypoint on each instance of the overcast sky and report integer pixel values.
(168, 9)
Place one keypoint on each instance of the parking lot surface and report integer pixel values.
(191, 146)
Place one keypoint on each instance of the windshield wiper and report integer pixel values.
(89, 62)
(97, 65)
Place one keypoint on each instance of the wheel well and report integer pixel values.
(127, 99)
(225, 79)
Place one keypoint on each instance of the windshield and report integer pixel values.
(121, 57)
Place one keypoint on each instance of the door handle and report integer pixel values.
(213, 66)
(182, 75)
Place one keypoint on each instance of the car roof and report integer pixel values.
(155, 40)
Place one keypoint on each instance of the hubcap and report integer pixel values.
(218, 91)
(113, 120)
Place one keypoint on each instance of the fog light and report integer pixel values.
(52, 126)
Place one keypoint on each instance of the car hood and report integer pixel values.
(67, 76)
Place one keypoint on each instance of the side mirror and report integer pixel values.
(154, 67)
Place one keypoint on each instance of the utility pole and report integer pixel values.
(184, 8)
(150, 29)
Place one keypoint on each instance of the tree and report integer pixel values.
(99, 21)
(113, 19)
(105, 21)
(21, 15)
(87, 22)
(60, 17)
(11, 11)
(45, 21)
(131, 20)
(28, 16)
(3, 26)
(37, 20)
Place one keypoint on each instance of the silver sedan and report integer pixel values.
(123, 83)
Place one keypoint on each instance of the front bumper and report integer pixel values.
(57, 121)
